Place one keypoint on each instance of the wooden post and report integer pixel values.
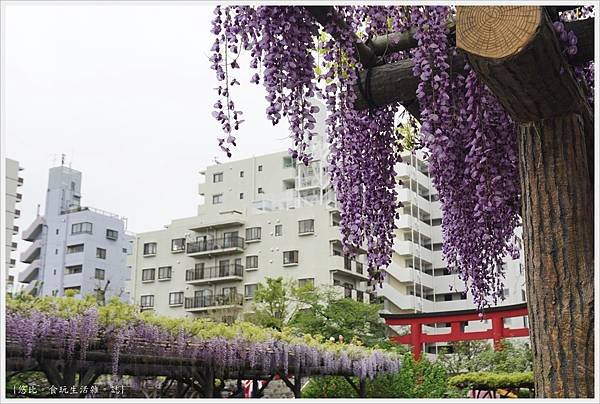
(515, 51)
(362, 388)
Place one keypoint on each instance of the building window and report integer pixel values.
(217, 199)
(148, 275)
(175, 298)
(505, 293)
(253, 234)
(76, 248)
(149, 248)
(260, 168)
(436, 222)
(437, 247)
(79, 228)
(56, 231)
(112, 234)
(124, 250)
(101, 253)
(278, 230)
(218, 177)
(306, 226)
(241, 174)
(288, 162)
(260, 190)
(252, 262)
(178, 245)
(335, 219)
(164, 273)
(241, 195)
(73, 269)
(306, 282)
(290, 257)
(250, 290)
(147, 301)
(99, 274)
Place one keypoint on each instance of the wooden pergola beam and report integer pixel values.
(395, 82)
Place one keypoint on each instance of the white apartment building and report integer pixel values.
(268, 217)
(417, 279)
(261, 217)
(74, 247)
(12, 213)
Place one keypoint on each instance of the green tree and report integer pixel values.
(346, 317)
(277, 301)
(416, 379)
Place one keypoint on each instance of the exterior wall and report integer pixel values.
(56, 259)
(416, 280)
(312, 249)
(12, 213)
(49, 258)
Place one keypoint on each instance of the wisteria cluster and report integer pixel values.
(75, 336)
(469, 140)
(583, 73)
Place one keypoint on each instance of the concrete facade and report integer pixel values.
(261, 217)
(12, 198)
(220, 254)
(75, 247)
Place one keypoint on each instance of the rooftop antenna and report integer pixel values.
(38, 209)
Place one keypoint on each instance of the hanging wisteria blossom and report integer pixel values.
(469, 140)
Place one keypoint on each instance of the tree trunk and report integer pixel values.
(527, 72)
(557, 210)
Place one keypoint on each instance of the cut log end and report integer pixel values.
(496, 32)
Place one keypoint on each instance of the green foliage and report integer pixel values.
(479, 356)
(416, 379)
(410, 137)
(318, 311)
(347, 317)
(492, 381)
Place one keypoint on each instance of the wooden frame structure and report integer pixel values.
(191, 376)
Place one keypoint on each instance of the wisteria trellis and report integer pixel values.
(273, 353)
(469, 140)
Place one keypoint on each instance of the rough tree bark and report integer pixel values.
(515, 52)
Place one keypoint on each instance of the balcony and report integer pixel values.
(19, 197)
(227, 273)
(32, 253)
(19, 181)
(17, 213)
(15, 230)
(217, 246)
(13, 246)
(34, 229)
(347, 266)
(30, 273)
(223, 301)
(308, 182)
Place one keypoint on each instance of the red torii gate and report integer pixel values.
(417, 337)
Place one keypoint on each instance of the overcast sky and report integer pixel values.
(126, 92)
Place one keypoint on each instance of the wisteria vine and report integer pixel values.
(75, 336)
(469, 140)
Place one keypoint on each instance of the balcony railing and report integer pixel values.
(199, 274)
(215, 244)
(202, 302)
